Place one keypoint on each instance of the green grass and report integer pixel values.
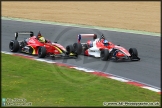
(49, 85)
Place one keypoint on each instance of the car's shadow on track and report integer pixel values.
(110, 60)
(121, 61)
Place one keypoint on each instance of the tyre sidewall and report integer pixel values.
(77, 48)
(15, 46)
(104, 54)
(41, 52)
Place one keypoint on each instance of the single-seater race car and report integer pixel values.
(38, 45)
(100, 47)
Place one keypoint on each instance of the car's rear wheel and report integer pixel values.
(14, 45)
(84, 48)
(41, 52)
(77, 48)
(104, 54)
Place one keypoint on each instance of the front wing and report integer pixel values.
(64, 56)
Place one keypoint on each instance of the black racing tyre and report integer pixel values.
(133, 52)
(77, 48)
(14, 45)
(70, 49)
(104, 54)
(41, 52)
(84, 48)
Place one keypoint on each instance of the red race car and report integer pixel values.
(100, 47)
(38, 45)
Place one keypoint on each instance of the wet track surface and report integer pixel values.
(146, 71)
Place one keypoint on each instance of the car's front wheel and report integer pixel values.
(133, 52)
(70, 49)
(41, 52)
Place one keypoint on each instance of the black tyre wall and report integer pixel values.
(133, 52)
(14, 45)
(77, 48)
(70, 49)
(104, 54)
(41, 52)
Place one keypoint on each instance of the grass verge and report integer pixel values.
(49, 85)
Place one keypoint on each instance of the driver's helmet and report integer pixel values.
(105, 42)
(40, 37)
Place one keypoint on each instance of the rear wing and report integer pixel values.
(80, 36)
(24, 33)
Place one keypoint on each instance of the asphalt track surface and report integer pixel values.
(147, 70)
